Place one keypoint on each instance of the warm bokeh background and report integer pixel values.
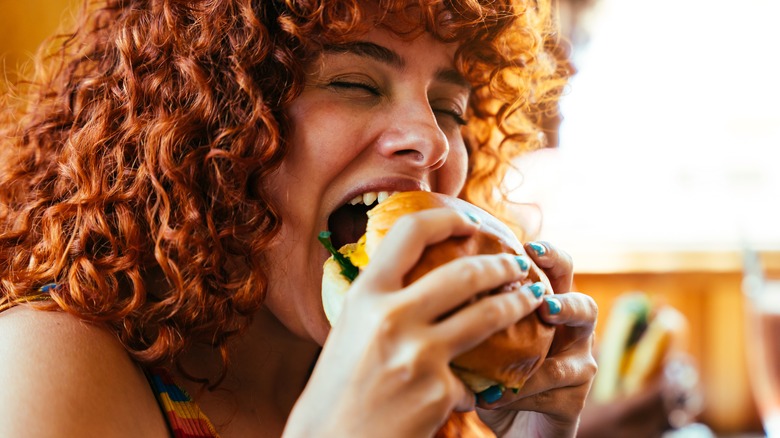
(24, 24)
(668, 168)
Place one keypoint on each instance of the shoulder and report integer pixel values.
(63, 376)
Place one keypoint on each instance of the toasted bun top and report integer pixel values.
(384, 215)
(508, 357)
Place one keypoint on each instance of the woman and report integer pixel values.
(165, 186)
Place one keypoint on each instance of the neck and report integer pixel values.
(268, 367)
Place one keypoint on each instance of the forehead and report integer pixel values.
(403, 21)
(384, 47)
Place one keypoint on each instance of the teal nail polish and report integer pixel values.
(472, 217)
(492, 394)
(554, 305)
(538, 248)
(537, 289)
(524, 265)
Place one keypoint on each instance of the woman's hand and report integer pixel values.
(550, 402)
(384, 369)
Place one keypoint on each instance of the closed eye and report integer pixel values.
(350, 85)
(455, 115)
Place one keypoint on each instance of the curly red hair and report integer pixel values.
(132, 167)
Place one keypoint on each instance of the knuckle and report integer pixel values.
(591, 367)
(438, 398)
(558, 372)
(435, 392)
(508, 264)
(523, 303)
(389, 325)
(584, 308)
(470, 272)
(497, 310)
(408, 362)
(592, 307)
(513, 304)
(397, 309)
(391, 317)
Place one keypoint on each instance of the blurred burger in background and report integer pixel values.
(646, 385)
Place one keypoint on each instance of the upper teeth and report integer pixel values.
(370, 197)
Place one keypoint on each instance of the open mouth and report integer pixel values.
(348, 222)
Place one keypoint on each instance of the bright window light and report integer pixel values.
(671, 132)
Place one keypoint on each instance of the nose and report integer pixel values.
(413, 136)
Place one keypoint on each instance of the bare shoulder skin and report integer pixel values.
(64, 377)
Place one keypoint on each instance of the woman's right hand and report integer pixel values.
(384, 369)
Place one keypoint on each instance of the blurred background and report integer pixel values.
(24, 25)
(665, 168)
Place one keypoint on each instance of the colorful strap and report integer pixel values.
(7, 304)
(42, 295)
(184, 416)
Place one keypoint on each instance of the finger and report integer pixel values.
(466, 400)
(451, 285)
(556, 264)
(573, 368)
(403, 245)
(562, 403)
(470, 326)
(574, 313)
(572, 309)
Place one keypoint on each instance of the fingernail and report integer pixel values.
(538, 248)
(523, 262)
(537, 289)
(472, 217)
(554, 305)
(491, 394)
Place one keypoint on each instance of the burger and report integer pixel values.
(638, 338)
(503, 361)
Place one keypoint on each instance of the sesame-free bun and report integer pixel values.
(506, 358)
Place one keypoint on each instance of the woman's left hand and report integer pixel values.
(550, 402)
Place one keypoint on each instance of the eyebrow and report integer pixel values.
(452, 76)
(369, 50)
(393, 59)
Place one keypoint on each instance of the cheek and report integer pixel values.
(321, 135)
(452, 176)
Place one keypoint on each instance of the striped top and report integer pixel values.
(184, 417)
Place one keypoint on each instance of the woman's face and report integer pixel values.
(377, 115)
